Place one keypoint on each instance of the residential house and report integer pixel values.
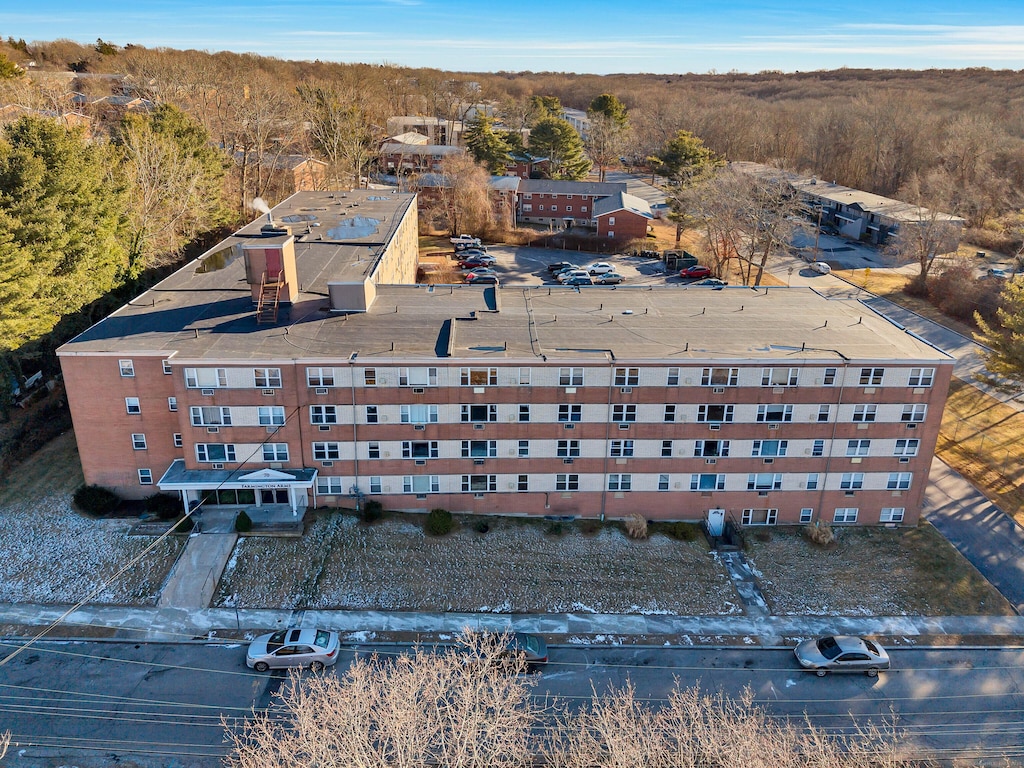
(623, 217)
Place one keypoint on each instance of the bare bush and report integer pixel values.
(820, 533)
(636, 526)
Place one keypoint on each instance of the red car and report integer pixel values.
(696, 271)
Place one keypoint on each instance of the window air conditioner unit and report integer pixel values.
(418, 390)
(714, 427)
(904, 459)
(769, 461)
(623, 426)
(272, 430)
(626, 390)
(478, 426)
(849, 493)
(321, 390)
(421, 495)
(324, 428)
(911, 425)
(269, 392)
(778, 390)
(762, 493)
(569, 425)
(773, 426)
(711, 461)
(419, 427)
(719, 390)
(217, 466)
(478, 462)
(206, 391)
(421, 463)
(567, 461)
(478, 495)
(327, 463)
(570, 390)
(213, 430)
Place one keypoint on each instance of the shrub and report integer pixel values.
(243, 523)
(554, 528)
(820, 533)
(683, 531)
(373, 511)
(185, 525)
(439, 522)
(96, 500)
(481, 526)
(636, 526)
(163, 505)
(590, 526)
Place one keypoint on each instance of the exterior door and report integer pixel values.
(716, 522)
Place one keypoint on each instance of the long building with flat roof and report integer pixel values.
(299, 364)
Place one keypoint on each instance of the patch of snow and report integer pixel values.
(363, 636)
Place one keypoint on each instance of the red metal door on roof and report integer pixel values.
(274, 264)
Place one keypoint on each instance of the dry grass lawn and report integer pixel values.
(871, 571)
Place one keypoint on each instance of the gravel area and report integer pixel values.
(514, 567)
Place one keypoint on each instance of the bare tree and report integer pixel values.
(463, 202)
(931, 231)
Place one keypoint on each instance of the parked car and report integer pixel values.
(841, 653)
(313, 648)
(608, 278)
(599, 268)
(558, 266)
(480, 271)
(532, 648)
(821, 267)
(478, 261)
(569, 273)
(471, 253)
(713, 282)
(695, 271)
(579, 280)
(998, 273)
(475, 279)
(567, 270)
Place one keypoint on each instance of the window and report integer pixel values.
(524, 413)
(172, 404)
(666, 448)
(177, 440)
(921, 377)
(622, 449)
(417, 377)
(760, 516)
(326, 451)
(764, 482)
(618, 482)
(570, 412)
(627, 377)
(167, 367)
(770, 448)
(898, 481)
(479, 377)
(275, 451)
(320, 377)
(829, 377)
(523, 483)
(210, 416)
(421, 484)
(419, 449)
(568, 449)
(376, 486)
(215, 452)
(145, 477)
(891, 515)
(372, 417)
(719, 377)
(127, 368)
(715, 413)
(864, 412)
(271, 415)
(845, 515)
(479, 449)
(323, 414)
(707, 482)
(812, 481)
(524, 449)
(524, 377)
(419, 414)
(871, 377)
(852, 481)
(478, 413)
(479, 483)
(711, 448)
(329, 486)
(369, 377)
(567, 482)
(906, 447)
(267, 378)
(858, 447)
(623, 413)
(673, 377)
(818, 448)
(663, 481)
(779, 377)
(131, 405)
(570, 377)
(670, 413)
(824, 411)
(138, 441)
(206, 378)
(914, 412)
(806, 514)
(373, 450)
(774, 413)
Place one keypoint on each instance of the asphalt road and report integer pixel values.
(98, 704)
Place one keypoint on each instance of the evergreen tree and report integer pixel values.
(544, 106)
(8, 69)
(487, 146)
(558, 141)
(609, 106)
(1006, 341)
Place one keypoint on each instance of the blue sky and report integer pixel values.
(598, 36)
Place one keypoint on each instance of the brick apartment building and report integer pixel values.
(563, 203)
(765, 407)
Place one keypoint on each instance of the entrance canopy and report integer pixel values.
(264, 483)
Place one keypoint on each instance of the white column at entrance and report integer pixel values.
(291, 500)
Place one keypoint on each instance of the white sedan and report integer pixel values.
(599, 268)
(821, 267)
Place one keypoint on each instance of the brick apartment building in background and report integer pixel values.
(298, 364)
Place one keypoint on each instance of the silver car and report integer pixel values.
(841, 653)
(313, 648)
